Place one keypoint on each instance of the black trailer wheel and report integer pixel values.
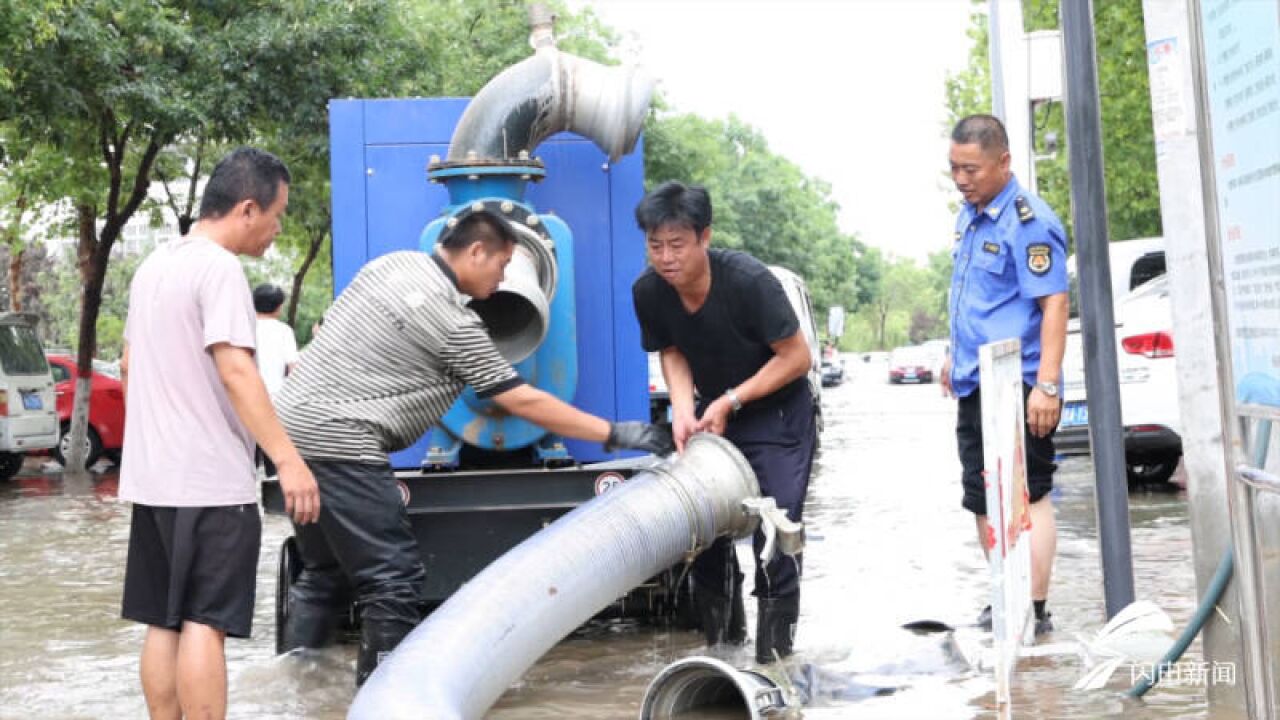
(10, 464)
(1151, 470)
(289, 568)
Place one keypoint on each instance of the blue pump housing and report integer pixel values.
(591, 356)
(553, 367)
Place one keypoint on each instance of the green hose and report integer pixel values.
(1211, 596)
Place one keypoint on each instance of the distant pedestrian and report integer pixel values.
(196, 406)
(277, 347)
(1009, 281)
(277, 352)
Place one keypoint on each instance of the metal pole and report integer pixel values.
(995, 59)
(1010, 85)
(1089, 211)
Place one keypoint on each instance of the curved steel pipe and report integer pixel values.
(517, 315)
(545, 94)
(458, 662)
(693, 686)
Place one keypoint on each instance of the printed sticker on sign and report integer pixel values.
(607, 481)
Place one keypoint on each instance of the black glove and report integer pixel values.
(635, 435)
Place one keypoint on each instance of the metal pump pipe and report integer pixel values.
(549, 93)
(458, 662)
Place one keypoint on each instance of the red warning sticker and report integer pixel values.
(607, 481)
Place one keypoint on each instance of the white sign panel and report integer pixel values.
(1169, 117)
(1008, 538)
(835, 322)
(1242, 76)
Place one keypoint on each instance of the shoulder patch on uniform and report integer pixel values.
(1039, 258)
(991, 247)
(1024, 209)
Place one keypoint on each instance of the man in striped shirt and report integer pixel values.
(399, 346)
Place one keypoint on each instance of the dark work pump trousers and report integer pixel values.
(363, 544)
(779, 441)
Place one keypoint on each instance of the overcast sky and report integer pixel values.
(850, 90)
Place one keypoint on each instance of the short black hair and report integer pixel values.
(267, 298)
(477, 226)
(246, 173)
(674, 203)
(986, 131)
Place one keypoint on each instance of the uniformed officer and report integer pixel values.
(1009, 280)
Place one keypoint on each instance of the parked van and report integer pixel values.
(798, 293)
(28, 408)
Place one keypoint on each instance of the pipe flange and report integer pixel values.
(531, 233)
(439, 169)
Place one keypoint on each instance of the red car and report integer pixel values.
(106, 409)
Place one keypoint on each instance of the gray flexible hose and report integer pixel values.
(458, 662)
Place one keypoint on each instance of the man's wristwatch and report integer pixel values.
(733, 399)
(1050, 389)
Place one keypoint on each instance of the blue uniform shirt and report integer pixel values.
(1005, 257)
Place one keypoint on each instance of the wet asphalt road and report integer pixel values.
(888, 544)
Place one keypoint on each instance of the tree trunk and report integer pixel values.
(94, 254)
(312, 251)
(883, 312)
(15, 277)
(13, 237)
(90, 301)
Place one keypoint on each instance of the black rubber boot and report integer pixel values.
(714, 611)
(309, 625)
(776, 627)
(724, 619)
(737, 632)
(377, 639)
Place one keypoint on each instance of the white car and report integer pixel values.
(1147, 370)
(937, 351)
(28, 405)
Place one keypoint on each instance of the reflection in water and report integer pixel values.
(888, 544)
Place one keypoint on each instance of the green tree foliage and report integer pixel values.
(909, 303)
(969, 92)
(423, 48)
(112, 83)
(763, 203)
(1133, 202)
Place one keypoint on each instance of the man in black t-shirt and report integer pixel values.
(724, 328)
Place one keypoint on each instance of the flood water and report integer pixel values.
(888, 544)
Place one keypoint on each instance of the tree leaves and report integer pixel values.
(763, 203)
(1133, 201)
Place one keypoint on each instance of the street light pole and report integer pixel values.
(1097, 318)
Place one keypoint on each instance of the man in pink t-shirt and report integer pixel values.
(197, 405)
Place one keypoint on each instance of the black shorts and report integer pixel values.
(1040, 454)
(193, 563)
